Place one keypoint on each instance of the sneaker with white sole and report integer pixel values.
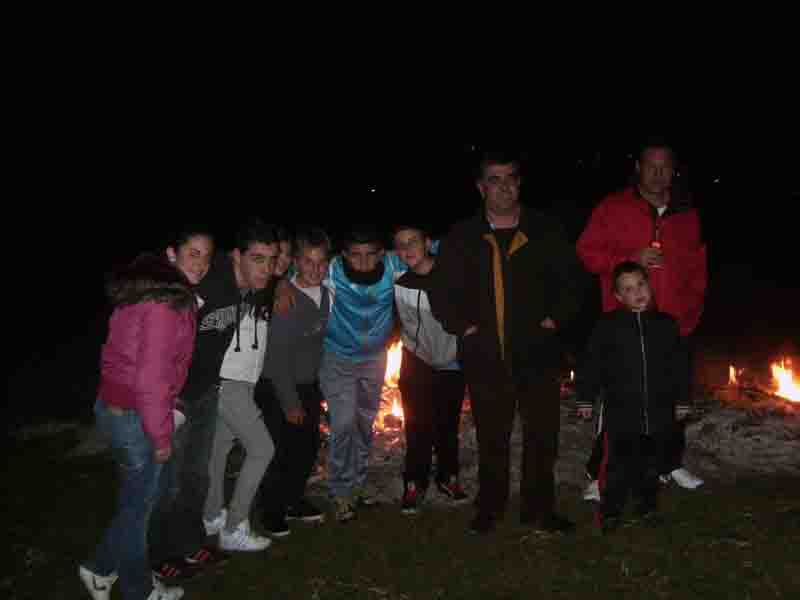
(217, 524)
(685, 479)
(243, 539)
(304, 511)
(592, 491)
(162, 592)
(344, 510)
(98, 586)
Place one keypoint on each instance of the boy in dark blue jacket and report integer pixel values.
(634, 355)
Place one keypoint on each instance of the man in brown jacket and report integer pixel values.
(506, 281)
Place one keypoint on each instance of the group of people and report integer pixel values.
(207, 348)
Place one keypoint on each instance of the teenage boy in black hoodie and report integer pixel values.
(234, 287)
(635, 357)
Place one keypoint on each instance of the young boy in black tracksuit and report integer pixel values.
(431, 381)
(635, 357)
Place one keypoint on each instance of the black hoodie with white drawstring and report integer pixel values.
(223, 305)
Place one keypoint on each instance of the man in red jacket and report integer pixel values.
(653, 224)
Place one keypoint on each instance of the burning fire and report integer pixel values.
(391, 380)
(393, 360)
(788, 387)
(732, 376)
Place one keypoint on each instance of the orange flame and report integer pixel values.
(788, 387)
(393, 359)
(732, 376)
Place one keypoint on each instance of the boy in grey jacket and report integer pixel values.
(291, 396)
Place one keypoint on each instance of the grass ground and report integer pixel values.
(722, 541)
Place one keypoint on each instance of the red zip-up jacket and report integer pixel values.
(624, 223)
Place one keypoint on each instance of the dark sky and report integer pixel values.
(120, 190)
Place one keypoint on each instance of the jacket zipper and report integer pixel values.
(645, 397)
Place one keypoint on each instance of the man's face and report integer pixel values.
(499, 187)
(257, 265)
(284, 258)
(632, 290)
(412, 246)
(312, 266)
(655, 170)
(363, 258)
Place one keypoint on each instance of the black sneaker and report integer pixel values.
(452, 489)
(482, 524)
(175, 571)
(651, 518)
(207, 557)
(363, 499)
(412, 498)
(610, 525)
(276, 526)
(304, 511)
(554, 523)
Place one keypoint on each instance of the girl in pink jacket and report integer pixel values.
(144, 363)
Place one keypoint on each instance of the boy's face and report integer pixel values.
(412, 246)
(363, 258)
(632, 290)
(312, 266)
(256, 266)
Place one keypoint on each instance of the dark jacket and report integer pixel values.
(507, 295)
(295, 347)
(222, 306)
(637, 359)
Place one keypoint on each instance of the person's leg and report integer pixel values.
(242, 417)
(596, 457)
(539, 402)
(493, 406)
(223, 444)
(180, 530)
(646, 488)
(418, 395)
(370, 378)
(338, 384)
(448, 399)
(123, 549)
(303, 444)
(617, 476)
(272, 491)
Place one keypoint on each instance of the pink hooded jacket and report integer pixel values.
(146, 356)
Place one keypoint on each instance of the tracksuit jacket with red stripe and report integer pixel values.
(624, 223)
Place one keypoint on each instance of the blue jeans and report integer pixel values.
(353, 393)
(123, 548)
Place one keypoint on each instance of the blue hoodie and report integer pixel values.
(362, 316)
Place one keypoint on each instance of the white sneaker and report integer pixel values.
(242, 539)
(685, 479)
(217, 524)
(592, 491)
(98, 586)
(162, 592)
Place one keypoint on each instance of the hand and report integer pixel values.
(585, 412)
(471, 330)
(296, 416)
(650, 257)
(548, 323)
(161, 455)
(284, 297)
